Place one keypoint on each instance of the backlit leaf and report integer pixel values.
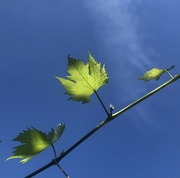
(34, 141)
(54, 135)
(84, 78)
(153, 74)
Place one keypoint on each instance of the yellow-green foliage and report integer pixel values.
(34, 141)
(84, 78)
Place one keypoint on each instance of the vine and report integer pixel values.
(83, 81)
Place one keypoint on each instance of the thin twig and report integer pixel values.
(61, 169)
(55, 155)
(146, 96)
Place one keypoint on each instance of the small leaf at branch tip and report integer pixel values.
(84, 79)
(171, 67)
(153, 74)
(53, 136)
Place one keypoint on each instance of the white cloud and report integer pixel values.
(118, 30)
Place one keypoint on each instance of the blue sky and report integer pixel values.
(130, 37)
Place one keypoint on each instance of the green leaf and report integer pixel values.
(54, 135)
(84, 79)
(153, 74)
(34, 141)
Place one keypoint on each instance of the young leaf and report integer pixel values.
(153, 74)
(84, 78)
(54, 135)
(34, 141)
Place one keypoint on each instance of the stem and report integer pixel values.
(110, 118)
(168, 73)
(166, 70)
(101, 103)
(61, 169)
(58, 159)
(55, 155)
(146, 96)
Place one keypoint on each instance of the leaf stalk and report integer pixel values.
(168, 73)
(101, 103)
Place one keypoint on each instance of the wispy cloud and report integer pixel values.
(119, 31)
